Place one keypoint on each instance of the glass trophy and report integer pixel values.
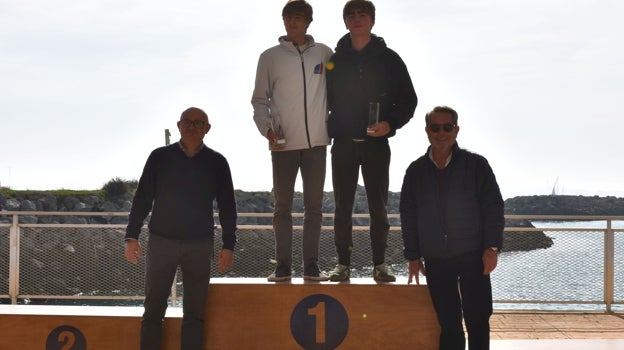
(373, 115)
(276, 126)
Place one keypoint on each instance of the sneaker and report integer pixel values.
(277, 278)
(318, 277)
(313, 273)
(381, 274)
(340, 273)
(281, 274)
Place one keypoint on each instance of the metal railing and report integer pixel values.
(78, 257)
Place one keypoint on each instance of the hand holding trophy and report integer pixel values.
(373, 116)
(276, 126)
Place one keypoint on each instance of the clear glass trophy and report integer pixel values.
(373, 115)
(276, 126)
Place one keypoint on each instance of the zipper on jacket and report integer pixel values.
(305, 95)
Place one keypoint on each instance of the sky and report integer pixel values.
(88, 88)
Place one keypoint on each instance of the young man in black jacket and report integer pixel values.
(362, 73)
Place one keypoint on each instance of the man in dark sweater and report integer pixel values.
(180, 183)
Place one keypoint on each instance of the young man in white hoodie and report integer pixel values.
(289, 98)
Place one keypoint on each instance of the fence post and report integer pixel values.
(14, 259)
(609, 265)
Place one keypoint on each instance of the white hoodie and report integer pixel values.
(291, 84)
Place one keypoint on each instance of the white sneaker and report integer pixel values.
(381, 274)
(340, 273)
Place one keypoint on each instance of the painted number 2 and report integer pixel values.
(66, 338)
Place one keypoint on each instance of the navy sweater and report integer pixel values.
(181, 191)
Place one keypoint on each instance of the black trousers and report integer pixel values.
(458, 287)
(374, 159)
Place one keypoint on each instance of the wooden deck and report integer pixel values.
(556, 331)
(556, 325)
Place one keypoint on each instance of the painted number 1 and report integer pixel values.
(319, 314)
(319, 322)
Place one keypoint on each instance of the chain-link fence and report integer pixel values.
(85, 263)
(4, 259)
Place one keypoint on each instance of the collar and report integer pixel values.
(448, 159)
(190, 153)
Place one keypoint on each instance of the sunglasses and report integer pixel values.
(448, 127)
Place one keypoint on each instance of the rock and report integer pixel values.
(12, 205)
(28, 205)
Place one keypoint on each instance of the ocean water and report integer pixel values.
(568, 276)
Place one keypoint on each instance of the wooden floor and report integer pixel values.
(550, 325)
(554, 331)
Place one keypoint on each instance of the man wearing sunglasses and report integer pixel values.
(452, 222)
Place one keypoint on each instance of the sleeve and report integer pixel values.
(143, 199)
(261, 96)
(492, 207)
(226, 203)
(409, 217)
(402, 98)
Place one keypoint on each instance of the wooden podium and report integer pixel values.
(246, 314)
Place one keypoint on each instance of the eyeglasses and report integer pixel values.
(448, 127)
(185, 123)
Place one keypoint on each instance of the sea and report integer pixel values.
(569, 275)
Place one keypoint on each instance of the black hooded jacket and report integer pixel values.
(374, 74)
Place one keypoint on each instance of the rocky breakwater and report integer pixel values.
(263, 202)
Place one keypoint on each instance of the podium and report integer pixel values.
(247, 313)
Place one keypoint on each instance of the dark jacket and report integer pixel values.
(468, 217)
(375, 74)
(182, 191)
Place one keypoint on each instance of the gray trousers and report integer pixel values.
(286, 165)
(163, 258)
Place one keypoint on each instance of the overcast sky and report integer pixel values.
(87, 88)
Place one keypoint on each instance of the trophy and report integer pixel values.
(373, 115)
(276, 126)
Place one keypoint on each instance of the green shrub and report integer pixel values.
(116, 187)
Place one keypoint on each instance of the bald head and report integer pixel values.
(194, 111)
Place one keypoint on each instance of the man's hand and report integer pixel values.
(273, 145)
(133, 250)
(378, 130)
(490, 260)
(415, 267)
(225, 259)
